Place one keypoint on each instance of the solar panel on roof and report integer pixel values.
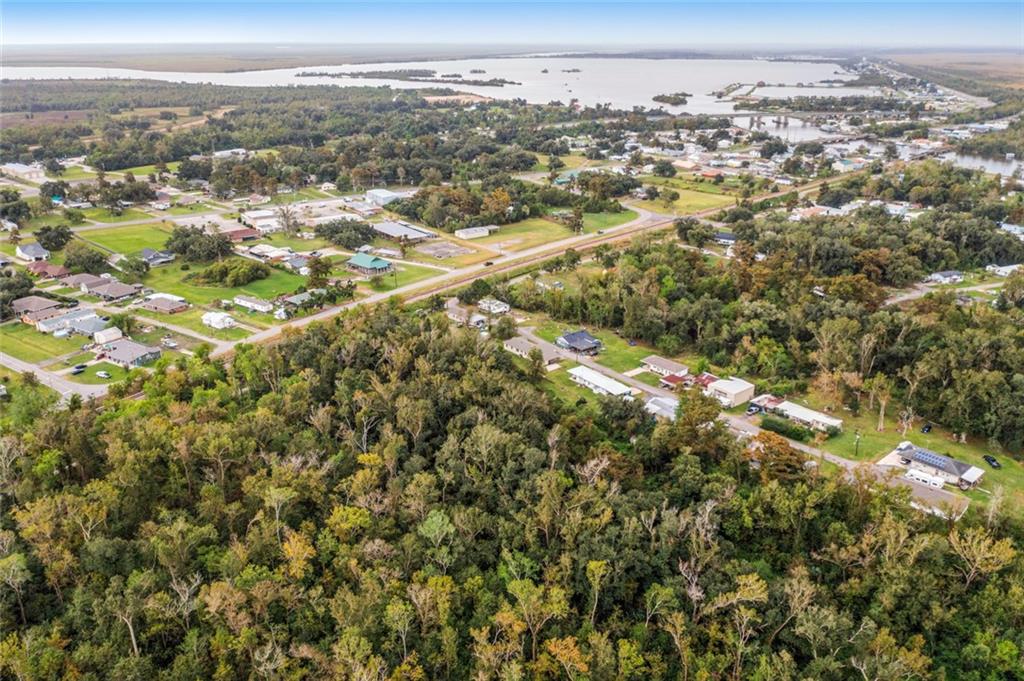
(931, 459)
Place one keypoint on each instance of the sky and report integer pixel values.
(725, 23)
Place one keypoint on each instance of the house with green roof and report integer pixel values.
(367, 264)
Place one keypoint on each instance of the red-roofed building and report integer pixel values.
(47, 270)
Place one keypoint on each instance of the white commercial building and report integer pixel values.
(381, 197)
(731, 392)
(253, 303)
(474, 232)
(24, 172)
(808, 417)
(598, 383)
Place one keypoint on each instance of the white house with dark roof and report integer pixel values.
(951, 471)
(32, 252)
(663, 367)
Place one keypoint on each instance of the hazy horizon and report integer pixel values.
(570, 25)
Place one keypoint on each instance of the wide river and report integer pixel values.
(622, 83)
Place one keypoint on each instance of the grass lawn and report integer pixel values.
(524, 234)
(305, 194)
(406, 274)
(22, 341)
(193, 319)
(156, 334)
(691, 182)
(89, 375)
(617, 353)
(649, 378)
(298, 244)
(592, 222)
(129, 240)
(559, 384)
(100, 214)
(80, 358)
(142, 171)
(690, 201)
(571, 161)
(171, 279)
(73, 173)
(49, 220)
(188, 210)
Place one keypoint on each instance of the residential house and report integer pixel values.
(32, 252)
(725, 238)
(254, 304)
(83, 281)
(298, 264)
(367, 264)
(521, 347)
(62, 321)
(237, 152)
(328, 187)
(155, 258)
(164, 304)
(598, 383)
(127, 353)
(88, 326)
(493, 306)
(107, 335)
(47, 270)
(797, 413)
(242, 234)
(662, 407)
(1002, 270)
(579, 342)
(114, 291)
(673, 381)
(945, 277)
(731, 392)
(33, 304)
(664, 367)
(218, 320)
(300, 299)
(951, 471)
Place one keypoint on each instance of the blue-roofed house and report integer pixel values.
(580, 342)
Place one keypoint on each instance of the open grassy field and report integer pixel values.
(72, 173)
(404, 274)
(282, 240)
(171, 279)
(690, 181)
(306, 194)
(131, 239)
(100, 214)
(593, 222)
(142, 171)
(617, 353)
(689, 201)
(192, 319)
(524, 234)
(22, 341)
(49, 220)
(1004, 68)
(571, 162)
(189, 210)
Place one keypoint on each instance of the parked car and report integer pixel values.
(905, 461)
(753, 409)
(76, 371)
(927, 428)
(168, 343)
(488, 263)
(992, 461)
(80, 366)
(103, 374)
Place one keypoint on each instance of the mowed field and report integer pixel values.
(689, 202)
(24, 342)
(129, 240)
(524, 234)
(172, 279)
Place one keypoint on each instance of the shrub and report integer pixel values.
(786, 428)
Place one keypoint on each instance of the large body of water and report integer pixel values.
(622, 83)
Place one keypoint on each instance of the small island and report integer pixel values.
(477, 71)
(673, 99)
(570, 71)
(412, 75)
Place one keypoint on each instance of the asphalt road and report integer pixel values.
(52, 380)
